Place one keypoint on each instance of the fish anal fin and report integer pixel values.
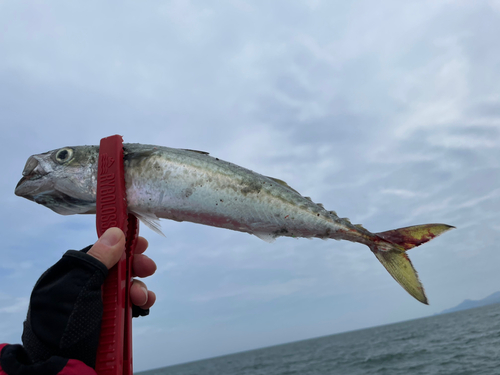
(268, 237)
(410, 237)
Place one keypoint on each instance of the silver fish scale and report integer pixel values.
(184, 185)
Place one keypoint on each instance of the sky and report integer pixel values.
(387, 112)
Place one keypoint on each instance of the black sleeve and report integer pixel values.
(64, 317)
(15, 361)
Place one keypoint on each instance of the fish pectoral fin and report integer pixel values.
(399, 266)
(150, 220)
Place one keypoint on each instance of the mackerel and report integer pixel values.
(189, 185)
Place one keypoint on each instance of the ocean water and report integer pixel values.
(460, 343)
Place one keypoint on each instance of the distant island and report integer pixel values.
(470, 304)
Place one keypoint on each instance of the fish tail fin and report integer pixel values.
(391, 249)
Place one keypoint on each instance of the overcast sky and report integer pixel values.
(387, 112)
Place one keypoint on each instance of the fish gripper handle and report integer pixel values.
(114, 354)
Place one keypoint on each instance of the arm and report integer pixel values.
(64, 318)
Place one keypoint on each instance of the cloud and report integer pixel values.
(387, 113)
(400, 193)
(257, 292)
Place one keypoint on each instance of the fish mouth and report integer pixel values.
(39, 185)
(41, 190)
(25, 188)
(33, 171)
(32, 177)
(30, 185)
(20, 188)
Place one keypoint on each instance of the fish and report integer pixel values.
(190, 185)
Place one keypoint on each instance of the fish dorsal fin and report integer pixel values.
(137, 151)
(198, 152)
(283, 183)
(150, 220)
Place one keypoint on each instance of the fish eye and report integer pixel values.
(64, 154)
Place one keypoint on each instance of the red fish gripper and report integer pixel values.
(114, 355)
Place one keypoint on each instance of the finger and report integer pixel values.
(151, 300)
(139, 294)
(143, 266)
(142, 245)
(109, 247)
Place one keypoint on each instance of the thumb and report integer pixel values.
(109, 247)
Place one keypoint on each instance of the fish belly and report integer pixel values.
(204, 190)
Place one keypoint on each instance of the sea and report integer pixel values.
(460, 343)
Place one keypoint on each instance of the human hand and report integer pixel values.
(108, 250)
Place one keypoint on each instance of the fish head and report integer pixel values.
(63, 180)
